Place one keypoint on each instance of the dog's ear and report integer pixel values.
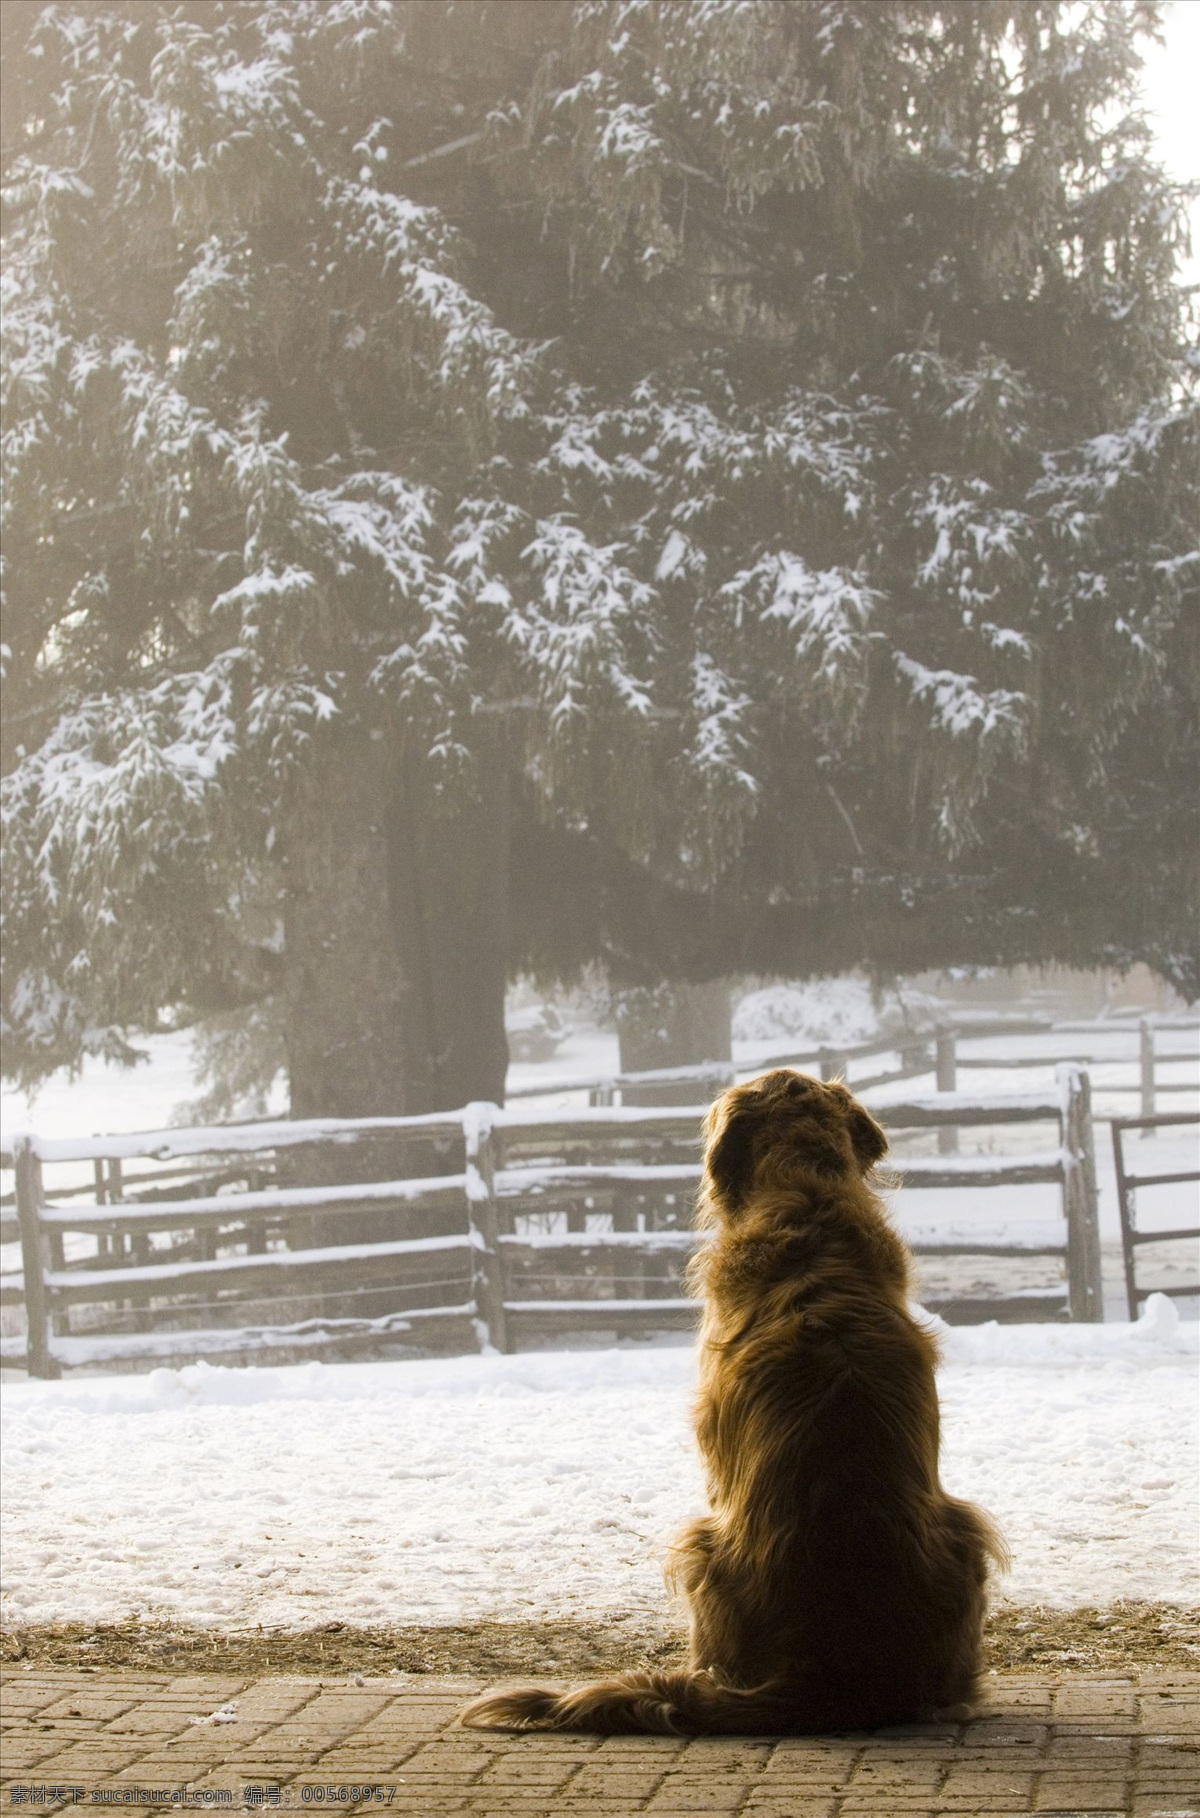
(868, 1140)
(729, 1156)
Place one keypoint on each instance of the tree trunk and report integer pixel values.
(351, 1031)
(448, 874)
(396, 939)
(673, 1025)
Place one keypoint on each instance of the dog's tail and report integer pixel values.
(668, 1704)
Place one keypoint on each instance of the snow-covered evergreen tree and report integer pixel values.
(708, 486)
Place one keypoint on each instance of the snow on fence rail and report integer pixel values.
(936, 1052)
(461, 1257)
(918, 1052)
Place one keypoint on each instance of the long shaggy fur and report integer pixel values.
(834, 1585)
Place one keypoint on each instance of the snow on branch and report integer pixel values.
(576, 635)
(827, 614)
(718, 728)
(959, 706)
(975, 727)
(1076, 484)
(979, 546)
(436, 672)
(410, 252)
(383, 522)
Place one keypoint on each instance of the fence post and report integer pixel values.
(35, 1257)
(628, 1272)
(487, 1262)
(1080, 1203)
(833, 1063)
(1091, 1198)
(106, 1244)
(1146, 1058)
(946, 1055)
(1126, 1206)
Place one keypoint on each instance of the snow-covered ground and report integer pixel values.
(473, 1488)
(547, 1484)
(102, 1099)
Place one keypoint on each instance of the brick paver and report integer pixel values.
(1102, 1746)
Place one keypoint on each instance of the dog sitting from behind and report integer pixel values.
(834, 1585)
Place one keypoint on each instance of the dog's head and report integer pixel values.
(783, 1121)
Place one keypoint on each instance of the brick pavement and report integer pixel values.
(1093, 1746)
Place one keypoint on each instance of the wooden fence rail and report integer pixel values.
(146, 1278)
(916, 1049)
(935, 1052)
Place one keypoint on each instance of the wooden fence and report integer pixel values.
(917, 1052)
(1135, 1235)
(937, 1053)
(1144, 1059)
(179, 1235)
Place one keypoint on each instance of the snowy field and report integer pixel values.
(544, 1484)
(469, 1489)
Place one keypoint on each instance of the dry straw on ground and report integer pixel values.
(1018, 1639)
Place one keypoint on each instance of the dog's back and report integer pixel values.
(834, 1585)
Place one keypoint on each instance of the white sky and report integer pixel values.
(1172, 85)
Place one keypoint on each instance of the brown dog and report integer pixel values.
(835, 1585)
